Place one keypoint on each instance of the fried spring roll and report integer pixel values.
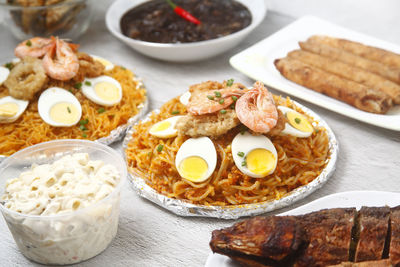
(349, 58)
(372, 53)
(355, 94)
(349, 72)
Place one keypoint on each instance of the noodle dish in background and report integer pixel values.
(225, 150)
(53, 91)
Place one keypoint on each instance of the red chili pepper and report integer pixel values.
(183, 13)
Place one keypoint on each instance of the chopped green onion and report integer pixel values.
(244, 163)
(221, 101)
(88, 83)
(234, 98)
(84, 135)
(84, 122)
(229, 82)
(78, 85)
(217, 93)
(122, 67)
(9, 65)
(83, 127)
(316, 130)
(222, 111)
(175, 112)
(69, 110)
(28, 43)
(101, 110)
(240, 154)
(160, 148)
(210, 97)
(297, 120)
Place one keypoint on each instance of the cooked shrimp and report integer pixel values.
(256, 109)
(60, 62)
(35, 47)
(205, 102)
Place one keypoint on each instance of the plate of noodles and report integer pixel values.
(53, 91)
(224, 150)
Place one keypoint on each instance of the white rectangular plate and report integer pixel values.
(257, 62)
(348, 199)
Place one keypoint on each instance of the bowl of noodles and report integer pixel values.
(29, 98)
(301, 163)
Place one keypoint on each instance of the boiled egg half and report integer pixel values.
(106, 63)
(184, 98)
(59, 108)
(103, 90)
(196, 159)
(254, 155)
(3, 74)
(165, 128)
(11, 108)
(297, 124)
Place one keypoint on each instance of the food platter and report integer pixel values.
(183, 208)
(257, 62)
(340, 200)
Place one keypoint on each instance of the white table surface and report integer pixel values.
(369, 157)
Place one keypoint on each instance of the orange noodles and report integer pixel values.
(30, 129)
(300, 160)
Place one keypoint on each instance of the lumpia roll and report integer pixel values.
(349, 58)
(355, 94)
(349, 72)
(372, 53)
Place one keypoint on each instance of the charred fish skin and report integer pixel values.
(272, 241)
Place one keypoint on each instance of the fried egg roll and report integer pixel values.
(349, 58)
(372, 53)
(355, 94)
(349, 72)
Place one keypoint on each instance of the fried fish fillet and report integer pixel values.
(349, 72)
(394, 251)
(355, 94)
(378, 263)
(349, 58)
(372, 53)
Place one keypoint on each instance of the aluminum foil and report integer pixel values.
(184, 208)
(120, 131)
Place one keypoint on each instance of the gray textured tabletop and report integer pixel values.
(150, 236)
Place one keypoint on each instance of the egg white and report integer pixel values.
(22, 105)
(107, 67)
(169, 132)
(89, 92)
(4, 72)
(289, 129)
(201, 147)
(245, 143)
(52, 96)
(184, 98)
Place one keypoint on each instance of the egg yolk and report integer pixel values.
(299, 122)
(193, 168)
(8, 109)
(64, 112)
(260, 161)
(161, 126)
(107, 91)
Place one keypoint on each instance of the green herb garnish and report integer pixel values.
(244, 163)
(82, 127)
(210, 97)
(217, 93)
(240, 154)
(9, 65)
(84, 135)
(101, 110)
(221, 101)
(88, 83)
(229, 82)
(297, 120)
(222, 111)
(160, 148)
(234, 98)
(78, 85)
(175, 112)
(28, 43)
(69, 110)
(84, 122)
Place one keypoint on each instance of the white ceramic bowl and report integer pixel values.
(70, 237)
(183, 52)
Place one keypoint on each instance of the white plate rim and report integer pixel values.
(255, 63)
(345, 199)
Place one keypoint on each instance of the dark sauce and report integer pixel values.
(155, 21)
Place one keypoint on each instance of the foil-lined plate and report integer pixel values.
(119, 132)
(184, 208)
